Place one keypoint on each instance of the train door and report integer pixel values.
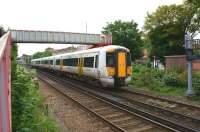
(80, 66)
(121, 65)
(61, 64)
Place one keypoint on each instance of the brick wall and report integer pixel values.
(180, 62)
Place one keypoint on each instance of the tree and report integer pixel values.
(193, 20)
(165, 30)
(46, 53)
(125, 34)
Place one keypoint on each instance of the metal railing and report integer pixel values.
(5, 84)
(3, 41)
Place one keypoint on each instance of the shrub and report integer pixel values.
(196, 82)
(171, 79)
(183, 78)
(145, 76)
(28, 112)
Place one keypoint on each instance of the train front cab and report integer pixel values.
(118, 63)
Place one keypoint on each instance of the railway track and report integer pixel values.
(180, 107)
(180, 119)
(117, 117)
(173, 120)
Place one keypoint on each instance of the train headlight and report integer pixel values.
(129, 70)
(111, 71)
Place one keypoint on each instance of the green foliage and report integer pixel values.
(173, 82)
(28, 111)
(171, 79)
(146, 76)
(42, 54)
(165, 31)
(125, 34)
(165, 28)
(193, 13)
(196, 82)
(13, 60)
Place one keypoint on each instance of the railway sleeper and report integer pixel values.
(115, 115)
(108, 112)
(125, 119)
(99, 109)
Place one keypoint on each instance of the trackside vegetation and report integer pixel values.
(173, 82)
(29, 113)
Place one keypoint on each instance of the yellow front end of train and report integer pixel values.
(118, 65)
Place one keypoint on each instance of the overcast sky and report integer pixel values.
(72, 15)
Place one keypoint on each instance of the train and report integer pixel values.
(109, 65)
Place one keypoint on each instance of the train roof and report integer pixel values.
(85, 51)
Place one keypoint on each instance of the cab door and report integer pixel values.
(121, 64)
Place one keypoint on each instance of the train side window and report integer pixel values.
(46, 61)
(128, 59)
(96, 61)
(58, 62)
(65, 62)
(51, 62)
(74, 61)
(89, 62)
(109, 59)
(70, 62)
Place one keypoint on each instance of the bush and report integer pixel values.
(150, 77)
(145, 76)
(196, 82)
(171, 79)
(28, 111)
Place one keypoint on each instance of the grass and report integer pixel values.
(170, 91)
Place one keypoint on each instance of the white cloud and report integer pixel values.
(71, 15)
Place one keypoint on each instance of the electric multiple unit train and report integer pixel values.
(109, 65)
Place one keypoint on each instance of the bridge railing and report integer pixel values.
(5, 83)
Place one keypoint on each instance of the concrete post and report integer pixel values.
(190, 91)
(189, 51)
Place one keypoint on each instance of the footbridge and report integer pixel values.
(36, 37)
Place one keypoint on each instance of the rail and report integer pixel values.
(112, 107)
